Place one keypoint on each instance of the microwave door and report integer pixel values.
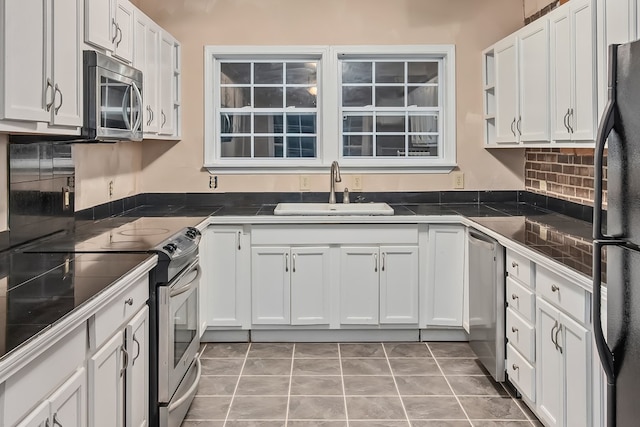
(117, 106)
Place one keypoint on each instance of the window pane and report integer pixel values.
(301, 123)
(423, 72)
(357, 124)
(423, 96)
(389, 96)
(235, 73)
(235, 123)
(423, 145)
(390, 146)
(390, 72)
(301, 97)
(268, 123)
(268, 146)
(356, 72)
(357, 145)
(356, 96)
(268, 97)
(304, 73)
(423, 123)
(237, 146)
(301, 146)
(269, 73)
(390, 124)
(235, 97)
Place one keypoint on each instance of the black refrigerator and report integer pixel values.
(619, 350)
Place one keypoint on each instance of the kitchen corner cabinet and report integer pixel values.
(522, 85)
(65, 407)
(290, 285)
(109, 26)
(41, 73)
(573, 70)
(446, 264)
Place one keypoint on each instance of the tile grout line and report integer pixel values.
(518, 404)
(293, 358)
(244, 361)
(395, 383)
(449, 384)
(344, 391)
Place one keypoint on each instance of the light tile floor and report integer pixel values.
(431, 384)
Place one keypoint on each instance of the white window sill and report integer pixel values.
(217, 169)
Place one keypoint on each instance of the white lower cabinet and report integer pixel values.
(445, 269)
(118, 377)
(563, 356)
(290, 285)
(379, 285)
(225, 291)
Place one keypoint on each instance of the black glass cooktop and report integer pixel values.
(39, 289)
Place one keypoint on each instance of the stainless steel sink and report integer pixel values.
(333, 209)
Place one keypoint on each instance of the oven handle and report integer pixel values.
(191, 389)
(185, 288)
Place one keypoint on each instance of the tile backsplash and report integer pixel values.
(567, 174)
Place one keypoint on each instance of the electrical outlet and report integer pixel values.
(305, 185)
(543, 185)
(213, 182)
(357, 183)
(458, 180)
(111, 188)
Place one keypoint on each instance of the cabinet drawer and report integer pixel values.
(521, 373)
(519, 267)
(335, 234)
(119, 310)
(521, 334)
(521, 300)
(569, 297)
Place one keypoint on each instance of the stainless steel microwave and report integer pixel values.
(112, 99)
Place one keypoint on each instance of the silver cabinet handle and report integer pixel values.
(46, 423)
(554, 288)
(115, 30)
(566, 117)
(119, 31)
(513, 123)
(569, 120)
(135, 340)
(384, 258)
(514, 329)
(375, 262)
(239, 240)
(514, 297)
(286, 263)
(129, 301)
(518, 125)
(125, 363)
(164, 118)
(553, 336)
(515, 367)
(152, 115)
(514, 264)
(57, 90)
(558, 346)
(293, 263)
(55, 420)
(53, 94)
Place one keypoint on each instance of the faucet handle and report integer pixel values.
(345, 197)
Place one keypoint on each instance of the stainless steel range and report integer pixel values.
(174, 365)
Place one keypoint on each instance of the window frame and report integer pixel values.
(329, 119)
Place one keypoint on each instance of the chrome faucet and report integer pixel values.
(335, 177)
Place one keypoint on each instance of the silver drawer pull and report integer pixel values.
(514, 264)
(515, 367)
(554, 288)
(129, 301)
(514, 329)
(514, 297)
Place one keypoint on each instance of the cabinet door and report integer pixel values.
(123, 43)
(39, 417)
(151, 41)
(561, 78)
(270, 285)
(106, 384)
(533, 120)
(445, 270)
(137, 377)
(548, 364)
(67, 64)
(399, 284)
(225, 264)
(583, 120)
(166, 84)
(99, 23)
(25, 91)
(68, 404)
(359, 285)
(506, 60)
(575, 341)
(310, 286)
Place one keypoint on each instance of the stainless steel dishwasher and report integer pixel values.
(486, 302)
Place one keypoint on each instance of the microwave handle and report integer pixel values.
(125, 117)
(138, 124)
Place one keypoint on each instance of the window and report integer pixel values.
(383, 108)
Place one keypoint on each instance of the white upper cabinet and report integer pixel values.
(506, 90)
(41, 73)
(109, 26)
(573, 85)
(167, 84)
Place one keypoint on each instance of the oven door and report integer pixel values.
(118, 107)
(178, 339)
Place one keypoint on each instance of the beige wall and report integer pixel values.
(471, 25)
(4, 196)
